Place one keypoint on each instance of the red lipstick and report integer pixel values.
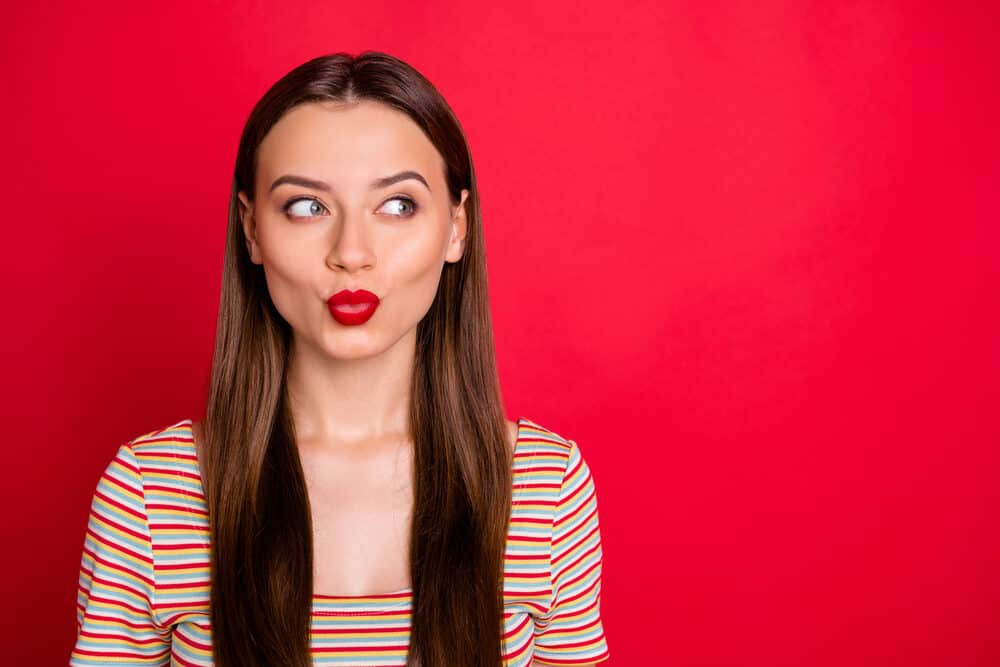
(356, 307)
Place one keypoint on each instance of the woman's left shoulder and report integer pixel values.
(532, 431)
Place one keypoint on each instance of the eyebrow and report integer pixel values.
(325, 187)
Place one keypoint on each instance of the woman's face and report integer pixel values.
(347, 231)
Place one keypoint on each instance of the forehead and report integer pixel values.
(354, 142)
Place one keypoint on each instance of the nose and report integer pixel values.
(352, 247)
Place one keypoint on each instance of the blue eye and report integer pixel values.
(404, 208)
(314, 208)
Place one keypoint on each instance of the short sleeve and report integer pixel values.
(115, 620)
(571, 633)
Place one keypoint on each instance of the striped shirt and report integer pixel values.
(144, 585)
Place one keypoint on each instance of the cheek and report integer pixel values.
(415, 268)
(287, 272)
(290, 252)
(288, 293)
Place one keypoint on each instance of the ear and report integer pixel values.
(460, 227)
(249, 228)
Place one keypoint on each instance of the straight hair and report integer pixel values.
(259, 513)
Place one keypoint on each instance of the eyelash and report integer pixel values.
(408, 200)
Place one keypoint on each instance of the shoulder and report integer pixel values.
(164, 460)
(540, 441)
(171, 442)
(167, 465)
(556, 462)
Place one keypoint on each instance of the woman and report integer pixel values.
(355, 495)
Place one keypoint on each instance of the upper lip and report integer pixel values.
(347, 297)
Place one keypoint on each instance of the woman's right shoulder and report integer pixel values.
(176, 437)
(167, 458)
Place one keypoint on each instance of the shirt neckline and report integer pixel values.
(324, 603)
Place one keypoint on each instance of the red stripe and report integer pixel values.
(332, 632)
(117, 546)
(174, 489)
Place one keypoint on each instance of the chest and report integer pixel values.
(361, 504)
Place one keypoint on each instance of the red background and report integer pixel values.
(790, 208)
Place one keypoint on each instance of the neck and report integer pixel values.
(348, 400)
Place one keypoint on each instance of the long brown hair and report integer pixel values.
(261, 530)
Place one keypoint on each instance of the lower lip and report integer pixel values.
(357, 313)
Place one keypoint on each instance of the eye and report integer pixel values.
(403, 207)
(312, 207)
